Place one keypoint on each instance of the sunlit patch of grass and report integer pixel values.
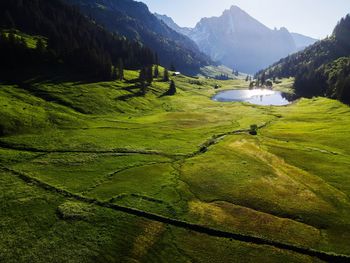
(245, 220)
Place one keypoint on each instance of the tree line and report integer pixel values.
(147, 75)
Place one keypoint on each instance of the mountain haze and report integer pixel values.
(301, 41)
(239, 41)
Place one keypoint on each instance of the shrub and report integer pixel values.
(253, 129)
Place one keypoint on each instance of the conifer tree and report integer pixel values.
(143, 87)
(172, 88)
(156, 59)
(166, 75)
(120, 69)
(142, 75)
(114, 73)
(263, 79)
(149, 74)
(40, 46)
(156, 71)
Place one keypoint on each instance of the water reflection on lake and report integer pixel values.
(254, 96)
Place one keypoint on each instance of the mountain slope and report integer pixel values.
(71, 40)
(170, 23)
(322, 69)
(301, 41)
(239, 41)
(133, 20)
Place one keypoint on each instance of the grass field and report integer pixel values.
(183, 157)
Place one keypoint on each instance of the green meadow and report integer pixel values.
(182, 157)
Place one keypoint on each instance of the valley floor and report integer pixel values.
(98, 172)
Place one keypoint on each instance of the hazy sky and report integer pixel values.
(315, 18)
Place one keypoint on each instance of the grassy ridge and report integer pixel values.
(109, 142)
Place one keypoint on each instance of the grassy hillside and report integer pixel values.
(75, 156)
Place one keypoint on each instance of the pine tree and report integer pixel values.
(149, 74)
(156, 59)
(114, 73)
(172, 88)
(156, 71)
(142, 75)
(143, 87)
(12, 38)
(166, 75)
(263, 79)
(120, 69)
(40, 46)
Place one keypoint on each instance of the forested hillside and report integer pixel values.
(133, 20)
(69, 39)
(322, 69)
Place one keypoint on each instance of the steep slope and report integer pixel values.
(171, 23)
(69, 39)
(239, 41)
(322, 69)
(133, 20)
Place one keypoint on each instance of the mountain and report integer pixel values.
(133, 20)
(67, 39)
(239, 41)
(170, 23)
(322, 69)
(301, 41)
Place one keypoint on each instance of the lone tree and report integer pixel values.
(172, 67)
(172, 88)
(253, 129)
(166, 75)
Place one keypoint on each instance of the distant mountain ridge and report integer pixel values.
(301, 41)
(239, 41)
(322, 69)
(170, 23)
(133, 20)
